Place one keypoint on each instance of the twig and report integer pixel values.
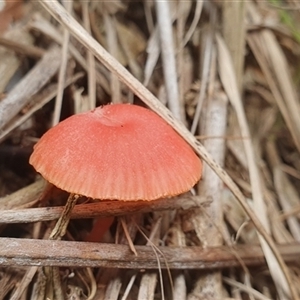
(29, 85)
(112, 44)
(61, 226)
(127, 235)
(41, 99)
(27, 278)
(207, 57)
(28, 252)
(246, 289)
(208, 222)
(23, 196)
(100, 209)
(278, 268)
(191, 30)
(30, 51)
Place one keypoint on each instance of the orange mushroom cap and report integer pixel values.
(118, 151)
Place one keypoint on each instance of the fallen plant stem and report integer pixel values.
(30, 51)
(100, 209)
(61, 226)
(32, 252)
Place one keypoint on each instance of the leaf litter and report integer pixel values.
(231, 80)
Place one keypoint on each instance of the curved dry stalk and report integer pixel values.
(273, 64)
(197, 15)
(245, 288)
(128, 287)
(62, 70)
(30, 273)
(61, 15)
(287, 194)
(34, 80)
(278, 269)
(207, 58)
(93, 283)
(168, 56)
(90, 58)
(149, 280)
(208, 222)
(40, 100)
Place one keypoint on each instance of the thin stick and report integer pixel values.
(100, 209)
(127, 235)
(90, 58)
(246, 289)
(31, 51)
(46, 95)
(27, 278)
(168, 56)
(34, 80)
(52, 273)
(32, 252)
(278, 269)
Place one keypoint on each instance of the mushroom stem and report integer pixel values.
(61, 225)
(99, 229)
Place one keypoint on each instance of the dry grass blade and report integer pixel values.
(153, 52)
(208, 222)
(129, 286)
(40, 100)
(28, 50)
(23, 196)
(90, 57)
(112, 43)
(168, 56)
(113, 289)
(149, 280)
(41, 25)
(279, 270)
(204, 76)
(235, 39)
(24, 283)
(92, 210)
(11, 62)
(29, 85)
(147, 286)
(198, 11)
(127, 235)
(287, 193)
(62, 70)
(274, 65)
(243, 287)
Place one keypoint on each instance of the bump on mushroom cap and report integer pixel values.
(117, 151)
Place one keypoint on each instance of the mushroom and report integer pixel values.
(119, 152)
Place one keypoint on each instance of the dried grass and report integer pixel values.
(235, 88)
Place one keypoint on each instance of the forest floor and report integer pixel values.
(229, 73)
